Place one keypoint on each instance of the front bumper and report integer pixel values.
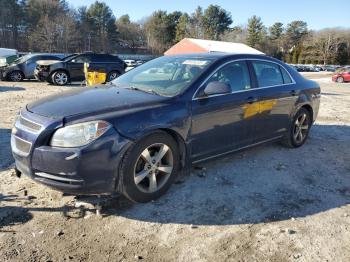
(41, 75)
(92, 169)
(3, 75)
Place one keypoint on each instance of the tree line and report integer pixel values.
(54, 26)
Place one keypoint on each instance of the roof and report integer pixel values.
(191, 45)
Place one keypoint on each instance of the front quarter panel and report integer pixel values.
(173, 115)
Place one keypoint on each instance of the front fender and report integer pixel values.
(173, 116)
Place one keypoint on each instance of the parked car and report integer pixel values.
(341, 75)
(23, 67)
(137, 133)
(7, 56)
(71, 68)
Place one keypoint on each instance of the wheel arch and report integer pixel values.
(309, 109)
(180, 142)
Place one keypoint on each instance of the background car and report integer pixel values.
(23, 67)
(71, 68)
(7, 56)
(341, 75)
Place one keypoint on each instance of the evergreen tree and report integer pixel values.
(216, 21)
(182, 29)
(255, 31)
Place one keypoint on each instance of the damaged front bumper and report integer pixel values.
(91, 169)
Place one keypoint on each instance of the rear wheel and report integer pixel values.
(60, 78)
(16, 76)
(149, 167)
(340, 79)
(299, 130)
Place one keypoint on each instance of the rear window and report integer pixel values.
(268, 74)
(103, 58)
(286, 76)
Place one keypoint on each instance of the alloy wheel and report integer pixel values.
(61, 78)
(16, 76)
(153, 168)
(112, 76)
(301, 127)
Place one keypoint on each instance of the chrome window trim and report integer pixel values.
(25, 128)
(241, 91)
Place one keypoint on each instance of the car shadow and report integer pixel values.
(10, 88)
(5, 148)
(259, 185)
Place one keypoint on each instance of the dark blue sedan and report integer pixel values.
(137, 133)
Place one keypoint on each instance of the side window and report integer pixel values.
(235, 74)
(286, 77)
(268, 74)
(82, 59)
(98, 58)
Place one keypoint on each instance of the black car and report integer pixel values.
(23, 67)
(137, 133)
(72, 68)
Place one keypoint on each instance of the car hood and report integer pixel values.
(47, 62)
(89, 101)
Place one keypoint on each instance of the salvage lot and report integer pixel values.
(267, 203)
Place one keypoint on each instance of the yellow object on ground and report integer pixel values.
(94, 77)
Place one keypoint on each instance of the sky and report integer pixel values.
(317, 13)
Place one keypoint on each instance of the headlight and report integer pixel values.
(79, 134)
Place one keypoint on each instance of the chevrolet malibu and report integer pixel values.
(137, 133)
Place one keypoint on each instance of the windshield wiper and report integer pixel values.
(150, 91)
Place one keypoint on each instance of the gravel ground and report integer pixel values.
(267, 203)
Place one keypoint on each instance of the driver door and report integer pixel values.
(219, 122)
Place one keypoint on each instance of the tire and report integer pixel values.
(60, 78)
(299, 129)
(112, 75)
(340, 80)
(16, 76)
(137, 174)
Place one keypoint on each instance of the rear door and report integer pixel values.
(219, 123)
(276, 95)
(76, 67)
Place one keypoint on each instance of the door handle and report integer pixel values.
(293, 93)
(251, 100)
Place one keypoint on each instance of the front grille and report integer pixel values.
(20, 146)
(29, 125)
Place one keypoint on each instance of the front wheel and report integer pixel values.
(299, 130)
(149, 167)
(60, 78)
(112, 75)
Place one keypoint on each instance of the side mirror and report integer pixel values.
(216, 88)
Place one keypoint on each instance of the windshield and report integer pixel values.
(22, 59)
(66, 58)
(166, 76)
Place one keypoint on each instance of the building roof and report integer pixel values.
(191, 45)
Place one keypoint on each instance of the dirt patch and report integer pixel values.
(268, 203)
